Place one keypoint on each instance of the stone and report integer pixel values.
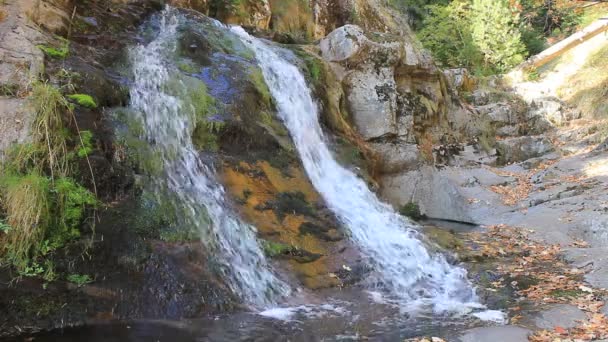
(563, 315)
(499, 113)
(20, 61)
(435, 193)
(372, 102)
(50, 17)
(594, 260)
(459, 78)
(343, 43)
(397, 157)
(15, 121)
(522, 148)
(507, 333)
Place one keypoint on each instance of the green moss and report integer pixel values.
(57, 53)
(292, 203)
(188, 68)
(257, 79)
(274, 249)
(160, 215)
(411, 210)
(315, 70)
(83, 100)
(86, 146)
(566, 293)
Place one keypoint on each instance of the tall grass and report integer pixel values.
(48, 128)
(26, 202)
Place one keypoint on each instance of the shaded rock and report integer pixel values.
(506, 333)
(522, 148)
(594, 260)
(435, 193)
(563, 315)
(397, 157)
(459, 79)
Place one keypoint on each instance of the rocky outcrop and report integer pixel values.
(20, 61)
(390, 93)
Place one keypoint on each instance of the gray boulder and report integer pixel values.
(522, 148)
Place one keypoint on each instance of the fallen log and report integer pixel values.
(562, 47)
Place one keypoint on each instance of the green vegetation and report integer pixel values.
(295, 203)
(40, 202)
(411, 210)
(83, 100)
(57, 53)
(495, 32)
(4, 227)
(188, 68)
(274, 249)
(492, 36)
(79, 279)
(87, 144)
(531, 74)
(257, 79)
(9, 89)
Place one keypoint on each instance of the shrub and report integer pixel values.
(495, 31)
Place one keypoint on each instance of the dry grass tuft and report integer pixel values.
(26, 204)
(293, 17)
(48, 128)
(588, 89)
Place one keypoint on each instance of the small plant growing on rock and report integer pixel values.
(79, 279)
(411, 210)
(87, 145)
(274, 249)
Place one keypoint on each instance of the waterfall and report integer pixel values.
(168, 124)
(414, 278)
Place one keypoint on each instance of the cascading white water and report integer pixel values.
(410, 274)
(168, 125)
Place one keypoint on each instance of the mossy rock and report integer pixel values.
(281, 250)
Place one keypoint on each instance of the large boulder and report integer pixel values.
(372, 102)
(522, 148)
(437, 195)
